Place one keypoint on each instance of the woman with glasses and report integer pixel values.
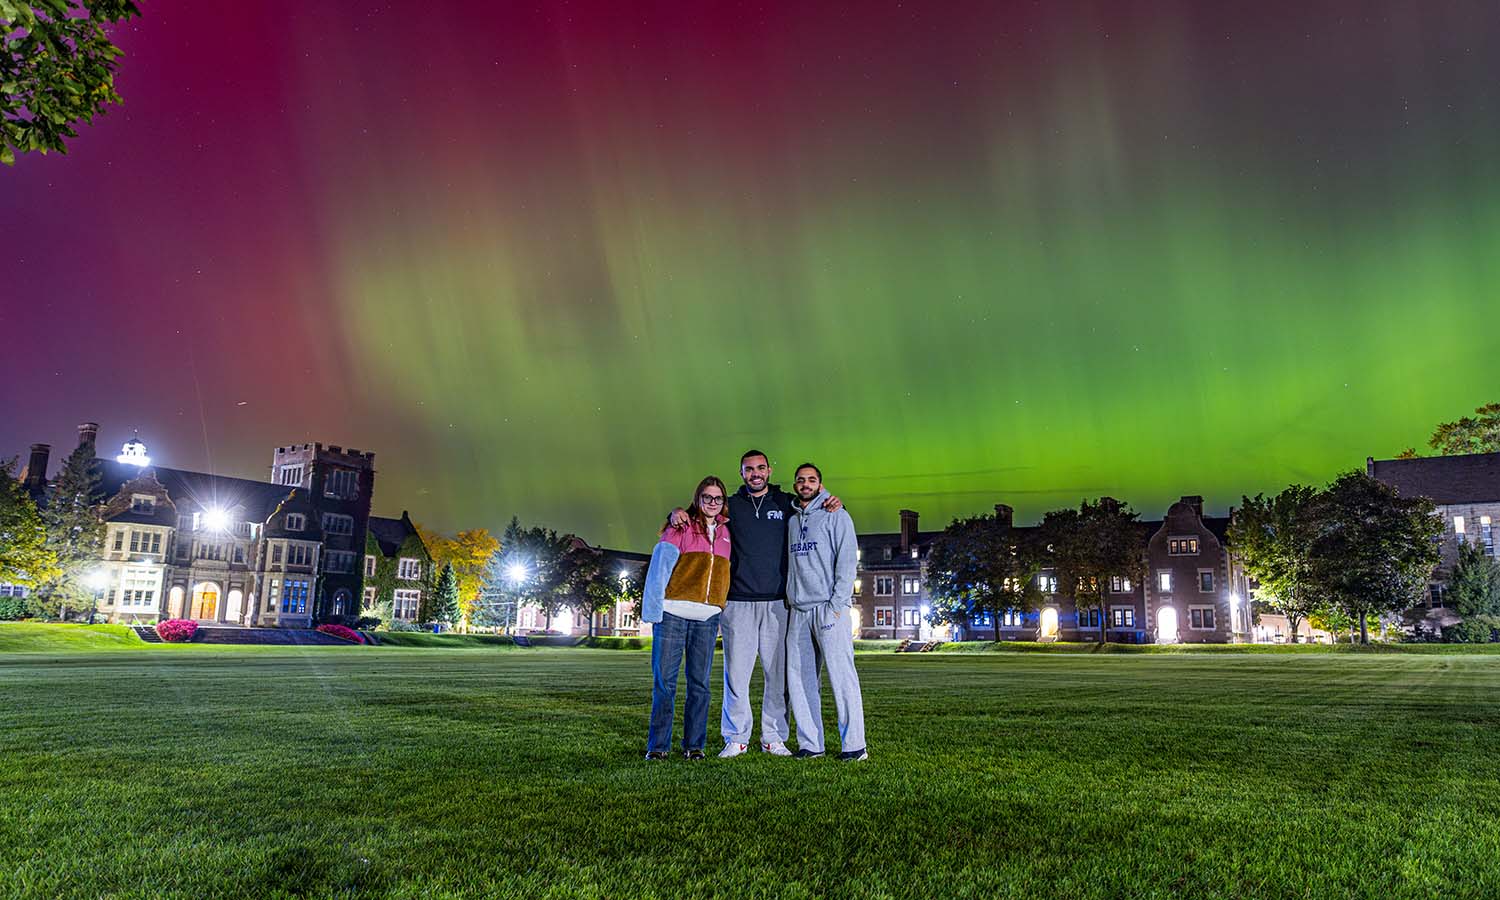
(686, 584)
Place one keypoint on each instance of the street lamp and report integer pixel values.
(516, 573)
(216, 519)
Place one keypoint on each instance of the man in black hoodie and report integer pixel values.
(754, 620)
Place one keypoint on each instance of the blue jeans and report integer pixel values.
(671, 638)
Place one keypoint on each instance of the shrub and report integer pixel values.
(1473, 630)
(176, 631)
(367, 623)
(14, 608)
(343, 631)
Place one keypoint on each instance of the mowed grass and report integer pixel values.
(432, 773)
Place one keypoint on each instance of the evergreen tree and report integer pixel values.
(75, 534)
(445, 600)
(25, 556)
(1474, 586)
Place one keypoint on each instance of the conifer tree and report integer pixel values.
(75, 534)
(446, 599)
(25, 557)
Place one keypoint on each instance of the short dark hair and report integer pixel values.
(749, 453)
(810, 466)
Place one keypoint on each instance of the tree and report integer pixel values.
(445, 598)
(532, 568)
(1272, 538)
(75, 533)
(1090, 545)
(1479, 433)
(981, 566)
(57, 68)
(1474, 585)
(469, 553)
(1373, 550)
(594, 585)
(25, 556)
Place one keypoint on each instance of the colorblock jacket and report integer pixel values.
(686, 566)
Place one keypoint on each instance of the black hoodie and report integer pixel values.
(757, 556)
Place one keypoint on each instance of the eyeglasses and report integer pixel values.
(710, 500)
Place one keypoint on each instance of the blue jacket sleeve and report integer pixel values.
(663, 561)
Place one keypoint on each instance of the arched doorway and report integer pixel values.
(175, 603)
(1166, 625)
(341, 602)
(234, 606)
(205, 600)
(1049, 622)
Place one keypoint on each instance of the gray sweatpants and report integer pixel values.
(815, 639)
(750, 628)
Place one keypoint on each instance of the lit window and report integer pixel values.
(294, 596)
(291, 475)
(885, 616)
(1186, 546)
(1458, 524)
(409, 569)
(911, 617)
(911, 586)
(1122, 617)
(1011, 618)
(1164, 581)
(1047, 583)
(1119, 585)
(859, 584)
(914, 553)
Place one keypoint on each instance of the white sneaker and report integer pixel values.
(733, 749)
(775, 748)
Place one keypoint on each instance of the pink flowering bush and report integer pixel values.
(340, 631)
(176, 630)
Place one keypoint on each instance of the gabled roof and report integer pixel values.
(188, 489)
(390, 534)
(1448, 480)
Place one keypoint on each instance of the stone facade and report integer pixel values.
(1466, 490)
(281, 553)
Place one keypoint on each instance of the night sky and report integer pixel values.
(562, 259)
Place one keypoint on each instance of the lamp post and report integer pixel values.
(516, 573)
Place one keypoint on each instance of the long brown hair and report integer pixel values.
(695, 513)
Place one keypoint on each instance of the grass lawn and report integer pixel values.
(438, 772)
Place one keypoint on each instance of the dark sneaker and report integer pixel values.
(807, 754)
(656, 754)
(853, 756)
(692, 754)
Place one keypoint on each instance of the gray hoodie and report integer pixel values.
(821, 557)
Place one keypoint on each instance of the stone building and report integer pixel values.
(1466, 489)
(218, 549)
(1191, 594)
(399, 576)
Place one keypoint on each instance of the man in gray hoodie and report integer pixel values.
(821, 562)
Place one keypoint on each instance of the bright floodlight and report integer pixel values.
(216, 519)
(926, 610)
(624, 575)
(515, 572)
(98, 581)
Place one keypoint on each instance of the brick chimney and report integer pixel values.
(1004, 515)
(908, 530)
(34, 479)
(1196, 502)
(88, 435)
